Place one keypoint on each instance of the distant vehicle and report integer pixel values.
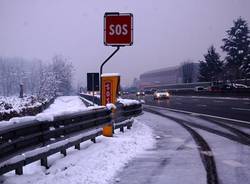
(123, 92)
(149, 92)
(239, 86)
(225, 86)
(140, 93)
(161, 95)
(199, 88)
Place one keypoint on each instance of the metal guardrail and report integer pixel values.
(122, 112)
(26, 142)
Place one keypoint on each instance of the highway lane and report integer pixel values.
(226, 147)
(229, 140)
(232, 108)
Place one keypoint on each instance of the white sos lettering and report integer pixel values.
(118, 29)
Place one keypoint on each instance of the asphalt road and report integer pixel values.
(231, 108)
(229, 141)
(168, 161)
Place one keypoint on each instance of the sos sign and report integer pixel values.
(118, 29)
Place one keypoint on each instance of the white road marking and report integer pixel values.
(194, 114)
(213, 97)
(192, 145)
(201, 105)
(208, 153)
(240, 109)
(233, 163)
(218, 101)
(195, 99)
(200, 114)
(157, 137)
(179, 103)
(176, 139)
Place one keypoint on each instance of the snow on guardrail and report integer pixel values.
(127, 102)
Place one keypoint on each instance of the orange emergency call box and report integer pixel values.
(109, 93)
(110, 88)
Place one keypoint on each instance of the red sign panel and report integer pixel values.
(107, 92)
(118, 29)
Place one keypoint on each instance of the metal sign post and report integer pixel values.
(93, 90)
(93, 84)
(101, 68)
(118, 32)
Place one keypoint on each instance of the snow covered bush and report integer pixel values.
(15, 107)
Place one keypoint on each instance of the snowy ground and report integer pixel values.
(93, 164)
(62, 105)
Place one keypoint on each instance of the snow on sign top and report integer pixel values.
(118, 29)
(110, 74)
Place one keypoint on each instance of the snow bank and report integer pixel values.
(62, 105)
(8, 104)
(93, 164)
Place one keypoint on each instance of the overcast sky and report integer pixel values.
(166, 32)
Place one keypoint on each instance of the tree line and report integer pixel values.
(236, 64)
(39, 79)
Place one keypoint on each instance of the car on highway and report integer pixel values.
(140, 93)
(241, 86)
(226, 86)
(199, 88)
(161, 95)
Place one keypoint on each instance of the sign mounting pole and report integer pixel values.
(93, 90)
(101, 68)
(118, 32)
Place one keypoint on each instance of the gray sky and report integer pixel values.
(166, 32)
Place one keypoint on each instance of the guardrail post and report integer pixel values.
(19, 170)
(122, 129)
(93, 140)
(77, 146)
(44, 162)
(129, 126)
(64, 152)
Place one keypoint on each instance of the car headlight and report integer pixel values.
(167, 94)
(158, 95)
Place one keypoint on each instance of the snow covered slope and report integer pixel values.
(62, 105)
